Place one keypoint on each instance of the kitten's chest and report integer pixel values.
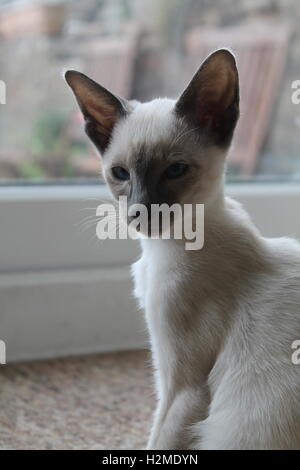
(177, 316)
(153, 283)
(158, 269)
(165, 290)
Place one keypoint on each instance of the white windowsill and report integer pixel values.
(63, 292)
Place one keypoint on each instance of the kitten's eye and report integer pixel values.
(120, 173)
(176, 170)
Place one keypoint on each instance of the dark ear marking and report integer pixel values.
(101, 109)
(211, 100)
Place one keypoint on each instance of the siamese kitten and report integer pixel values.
(221, 319)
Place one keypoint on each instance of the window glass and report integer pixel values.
(143, 49)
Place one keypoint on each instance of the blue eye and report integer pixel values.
(176, 170)
(120, 173)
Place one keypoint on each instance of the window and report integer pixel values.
(143, 49)
(59, 286)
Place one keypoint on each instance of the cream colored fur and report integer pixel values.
(222, 319)
(221, 323)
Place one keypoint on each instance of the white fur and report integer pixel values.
(221, 320)
(147, 122)
(247, 393)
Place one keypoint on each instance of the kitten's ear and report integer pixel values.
(211, 100)
(100, 108)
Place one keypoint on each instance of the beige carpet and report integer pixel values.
(91, 402)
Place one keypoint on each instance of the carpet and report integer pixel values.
(91, 402)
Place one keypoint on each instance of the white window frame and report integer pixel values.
(63, 293)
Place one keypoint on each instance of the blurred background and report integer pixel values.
(76, 373)
(143, 49)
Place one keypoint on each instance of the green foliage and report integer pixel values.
(52, 150)
(47, 132)
(32, 170)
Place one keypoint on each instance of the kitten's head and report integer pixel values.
(165, 151)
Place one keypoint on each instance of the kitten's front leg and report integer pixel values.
(159, 416)
(172, 423)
